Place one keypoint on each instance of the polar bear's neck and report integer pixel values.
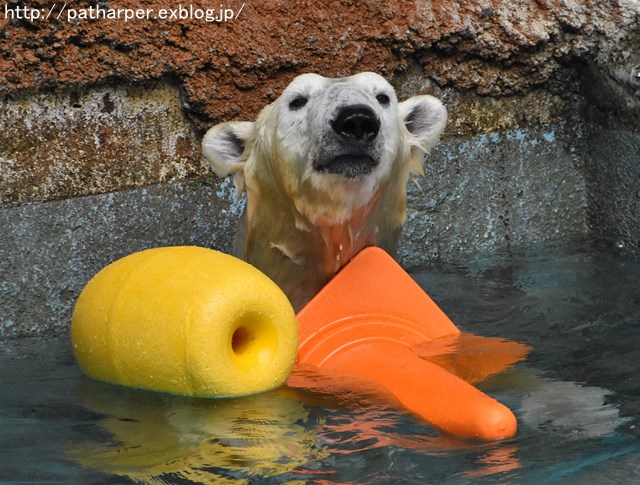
(301, 238)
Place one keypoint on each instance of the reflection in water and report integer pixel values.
(293, 433)
(473, 358)
(149, 436)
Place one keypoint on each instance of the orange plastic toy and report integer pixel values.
(373, 321)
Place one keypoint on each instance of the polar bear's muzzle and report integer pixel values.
(354, 132)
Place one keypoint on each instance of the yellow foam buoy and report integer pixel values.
(185, 320)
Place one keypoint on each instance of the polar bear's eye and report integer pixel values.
(383, 99)
(297, 102)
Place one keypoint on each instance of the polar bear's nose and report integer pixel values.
(357, 122)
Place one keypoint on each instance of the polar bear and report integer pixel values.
(325, 168)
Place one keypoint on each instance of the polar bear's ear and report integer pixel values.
(223, 146)
(425, 118)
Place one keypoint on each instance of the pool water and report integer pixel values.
(577, 398)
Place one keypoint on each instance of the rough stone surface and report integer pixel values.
(472, 114)
(74, 143)
(231, 69)
(49, 251)
(92, 123)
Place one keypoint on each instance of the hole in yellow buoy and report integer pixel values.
(253, 340)
(241, 340)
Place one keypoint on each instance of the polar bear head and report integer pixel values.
(328, 145)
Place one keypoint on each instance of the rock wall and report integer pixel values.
(102, 117)
(499, 65)
(79, 142)
(230, 69)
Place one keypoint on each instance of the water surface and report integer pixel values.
(577, 399)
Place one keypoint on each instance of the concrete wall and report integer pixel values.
(612, 154)
(496, 191)
(78, 142)
(101, 123)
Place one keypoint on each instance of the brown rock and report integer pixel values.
(231, 69)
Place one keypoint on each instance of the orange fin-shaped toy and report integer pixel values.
(373, 321)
